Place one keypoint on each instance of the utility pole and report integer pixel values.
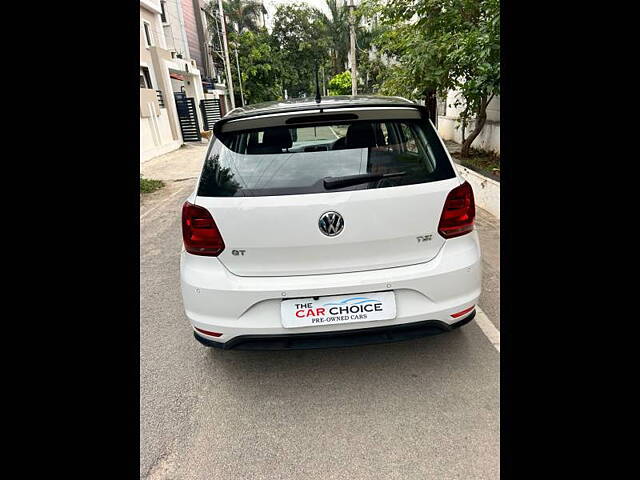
(239, 78)
(226, 55)
(352, 52)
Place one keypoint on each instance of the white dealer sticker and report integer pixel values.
(365, 307)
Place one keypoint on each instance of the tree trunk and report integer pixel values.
(431, 103)
(480, 120)
(335, 62)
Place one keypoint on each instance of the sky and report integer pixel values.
(272, 5)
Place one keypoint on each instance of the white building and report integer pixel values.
(159, 125)
(166, 68)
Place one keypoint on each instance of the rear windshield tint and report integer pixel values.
(297, 160)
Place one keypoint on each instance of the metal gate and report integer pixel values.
(188, 118)
(210, 112)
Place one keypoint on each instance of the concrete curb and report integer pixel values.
(485, 190)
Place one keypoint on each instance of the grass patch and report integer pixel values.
(486, 163)
(148, 186)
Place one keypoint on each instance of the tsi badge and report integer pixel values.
(424, 238)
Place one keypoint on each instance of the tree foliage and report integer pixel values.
(256, 52)
(409, 48)
(338, 31)
(242, 15)
(302, 37)
(443, 45)
(340, 84)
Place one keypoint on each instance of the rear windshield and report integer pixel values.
(291, 160)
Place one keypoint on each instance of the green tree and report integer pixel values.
(259, 70)
(441, 45)
(300, 32)
(242, 15)
(338, 31)
(340, 84)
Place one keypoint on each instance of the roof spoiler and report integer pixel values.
(217, 127)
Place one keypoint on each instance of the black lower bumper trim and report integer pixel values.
(341, 338)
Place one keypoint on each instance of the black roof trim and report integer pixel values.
(301, 107)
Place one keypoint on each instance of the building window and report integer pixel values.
(145, 78)
(163, 15)
(147, 33)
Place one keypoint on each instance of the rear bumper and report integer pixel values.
(243, 307)
(345, 338)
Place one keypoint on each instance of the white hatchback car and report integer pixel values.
(328, 224)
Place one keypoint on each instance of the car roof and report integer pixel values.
(309, 103)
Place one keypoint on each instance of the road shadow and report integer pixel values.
(430, 361)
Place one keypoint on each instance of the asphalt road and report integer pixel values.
(421, 409)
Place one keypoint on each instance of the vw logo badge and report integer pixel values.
(331, 223)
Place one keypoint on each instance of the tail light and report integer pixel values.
(199, 232)
(458, 213)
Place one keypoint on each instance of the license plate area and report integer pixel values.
(339, 309)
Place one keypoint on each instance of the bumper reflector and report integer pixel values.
(212, 334)
(466, 310)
